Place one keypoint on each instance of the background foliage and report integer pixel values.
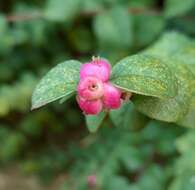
(130, 150)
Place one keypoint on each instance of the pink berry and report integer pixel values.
(90, 88)
(92, 107)
(92, 181)
(99, 68)
(112, 97)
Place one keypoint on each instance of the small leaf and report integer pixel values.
(177, 7)
(146, 75)
(113, 28)
(6, 38)
(61, 81)
(62, 10)
(127, 117)
(170, 109)
(186, 142)
(92, 6)
(122, 116)
(184, 180)
(147, 28)
(162, 47)
(94, 121)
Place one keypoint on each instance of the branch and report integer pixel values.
(131, 10)
(37, 15)
(149, 11)
(23, 17)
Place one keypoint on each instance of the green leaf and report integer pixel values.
(154, 177)
(62, 10)
(94, 121)
(118, 182)
(170, 109)
(181, 51)
(113, 28)
(147, 28)
(13, 146)
(187, 60)
(185, 163)
(186, 142)
(3, 24)
(189, 119)
(127, 117)
(162, 47)
(92, 6)
(66, 98)
(122, 117)
(183, 181)
(177, 7)
(6, 38)
(61, 81)
(146, 75)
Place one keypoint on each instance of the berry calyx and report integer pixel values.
(99, 68)
(90, 88)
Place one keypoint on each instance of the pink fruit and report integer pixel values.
(92, 181)
(94, 91)
(99, 68)
(112, 97)
(90, 88)
(92, 107)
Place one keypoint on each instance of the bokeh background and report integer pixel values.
(51, 148)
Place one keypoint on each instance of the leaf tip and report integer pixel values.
(33, 107)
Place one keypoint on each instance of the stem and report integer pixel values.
(38, 15)
(23, 17)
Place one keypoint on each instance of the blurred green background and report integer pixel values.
(51, 148)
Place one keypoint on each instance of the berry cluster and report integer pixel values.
(94, 90)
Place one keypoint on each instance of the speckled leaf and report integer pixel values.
(187, 60)
(189, 119)
(170, 109)
(61, 81)
(187, 57)
(182, 50)
(146, 75)
(94, 121)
